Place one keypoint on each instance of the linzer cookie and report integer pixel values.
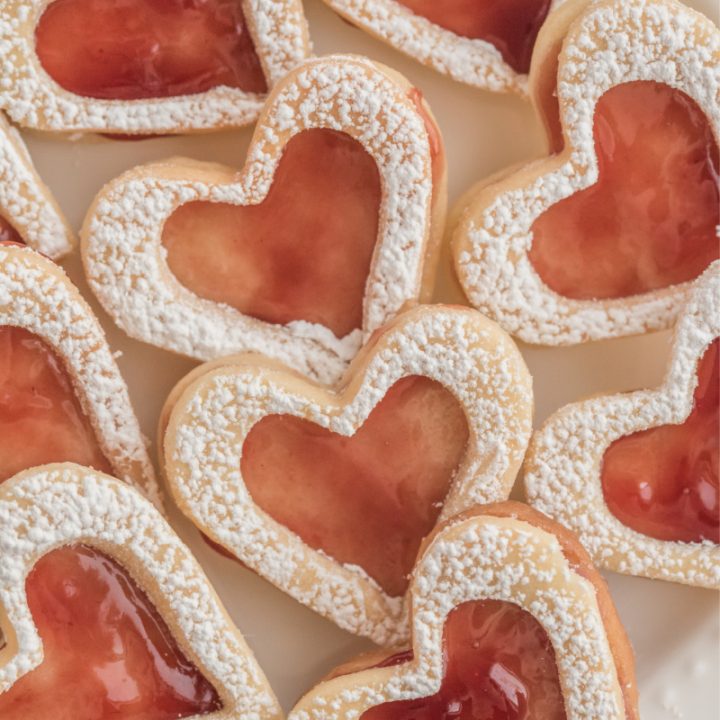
(145, 66)
(636, 474)
(509, 620)
(485, 44)
(605, 236)
(328, 231)
(28, 212)
(106, 613)
(63, 398)
(328, 493)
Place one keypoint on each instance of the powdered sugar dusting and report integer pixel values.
(614, 42)
(469, 60)
(25, 202)
(459, 348)
(64, 504)
(505, 559)
(36, 295)
(33, 99)
(125, 259)
(564, 463)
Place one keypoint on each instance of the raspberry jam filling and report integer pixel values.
(663, 482)
(108, 655)
(132, 49)
(303, 253)
(41, 420)
(8, 234)
(510, 25)
(368, 499)
(499, 665)
(650, 220)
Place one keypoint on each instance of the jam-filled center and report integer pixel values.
(41, 420)
(370, 498)
(108, 655)
(132, 49)
(650, 220)
(303, 253)
(663, 482)
(499, 665)
(8, 234)
(510, 25)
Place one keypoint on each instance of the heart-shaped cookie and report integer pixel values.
(328, 493)
(63, 398)
(487, 45)
(636, 474)
(103, 607)
(603, 238)
(145, 66)
(509, 620)
(329, 230)
(28, 211)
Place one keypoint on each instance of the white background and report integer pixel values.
(674, 629)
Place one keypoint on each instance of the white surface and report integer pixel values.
(674, 629)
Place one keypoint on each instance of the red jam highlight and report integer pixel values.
(650, 221)
(510, 25)
(41, 420)
(8, 234)
(368, 499)
(304, 253)
(108, 653)
(500, 665)
(133, 49)
(663, 482)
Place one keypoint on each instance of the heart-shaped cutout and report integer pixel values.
(132, 49)
(280, 261)
(334, 490)
(650, 221)
(636, 474)
(37, 401)
(107, 613)
(28, 211)
(105, 647)
(62, 397)
(368, 499)
(332, 227)
(602, 238)
(146, 66)
(663, 482)
(506, 607)
(485, 44)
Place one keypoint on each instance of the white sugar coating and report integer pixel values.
(36, 295)
(33, 99)
(563, 472)
(60, 505)
(25, 202)
(126, 261)
(469, 60)
(458, 348)
(612, 43)
(480, 558)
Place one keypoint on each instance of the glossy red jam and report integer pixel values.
(108, 655)
(500, 665)
(663, 482)
(8, 234)
(651, 219)
(41, 420)
(510, 25)
(303, 253)
(131, 49)
(368, 499)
